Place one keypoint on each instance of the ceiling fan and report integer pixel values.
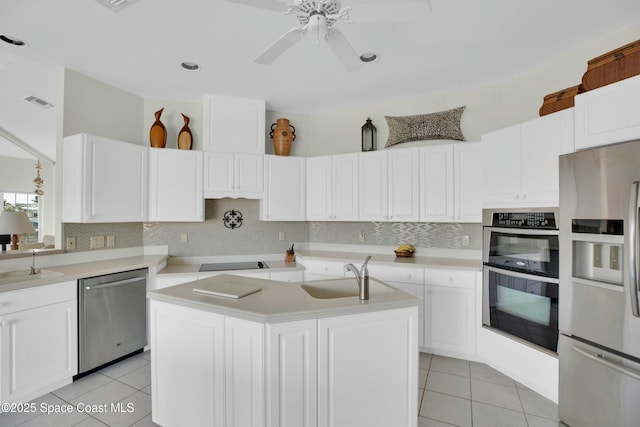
(317, 17)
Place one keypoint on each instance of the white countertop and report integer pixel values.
(391, 259)
(193, 268)
(280, 302)
(82, 270)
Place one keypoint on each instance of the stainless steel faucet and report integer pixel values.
(362, 276)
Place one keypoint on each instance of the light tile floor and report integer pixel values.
(453, 392)
(456, 392)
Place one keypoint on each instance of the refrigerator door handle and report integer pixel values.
(633, 249)
(600, 359)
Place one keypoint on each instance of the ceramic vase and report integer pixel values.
(283, 135)
(158, 133)
(185, 138)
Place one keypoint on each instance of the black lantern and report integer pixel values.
(368, 136)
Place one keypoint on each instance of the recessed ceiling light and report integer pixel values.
(368, 57)
(12, 40)
(191, 66)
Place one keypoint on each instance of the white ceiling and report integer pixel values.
(455, 44)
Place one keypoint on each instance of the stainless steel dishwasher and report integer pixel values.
(111, 318)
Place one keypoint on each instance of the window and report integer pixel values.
(27, 202)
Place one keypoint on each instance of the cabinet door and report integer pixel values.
(244, 373)
(501, 167)
(543, 140)
(175, 185)
(418, 292)
(219, 174)
(468, 182)
(284, 185)
(233, 125)
(404, 185)
(344, 201)
(361, 382)
(292, 366)
(319, 188)
(373, 186)
(437, 184)
(104, 180)
(249, 175)
(608, 114)
(178, 335)
(296, 276)
(38, 351)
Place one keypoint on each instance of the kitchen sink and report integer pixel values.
(8, 277)
(342, 288)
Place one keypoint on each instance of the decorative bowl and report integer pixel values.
(404, 254)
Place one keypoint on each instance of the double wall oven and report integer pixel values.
(520, 274)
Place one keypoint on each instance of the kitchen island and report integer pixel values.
(290, 354)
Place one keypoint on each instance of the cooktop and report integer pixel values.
(222, 266)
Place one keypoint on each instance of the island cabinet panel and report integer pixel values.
(244, 373)
(292, 363)
(38, 343)
(187, 366)
(367, 369)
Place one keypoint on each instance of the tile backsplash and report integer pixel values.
(212, 237)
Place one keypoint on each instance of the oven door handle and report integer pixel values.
(521, 275)
(528, 231)
(633, 249)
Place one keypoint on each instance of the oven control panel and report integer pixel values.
(524, 219)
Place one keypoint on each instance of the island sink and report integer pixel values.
(341, 288)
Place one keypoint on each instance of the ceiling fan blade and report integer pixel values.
(274, 5)
(342, 49)
(390, 12)
(283, 43)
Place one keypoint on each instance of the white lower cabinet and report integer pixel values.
(38, 341)
(367, 369)
(323, 270)
(292, 358)
(213, 370)
(449, 311)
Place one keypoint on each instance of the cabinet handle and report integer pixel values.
(5, 323)
(523, 196)
(515, 196)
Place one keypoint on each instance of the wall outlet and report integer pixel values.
(71, 243)
(281, 235)
(111, 241)
(465, 241)
(361, 236)
(184, 238)
(97, 242)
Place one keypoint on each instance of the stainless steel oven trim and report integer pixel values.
(486, 241)
(487, 214)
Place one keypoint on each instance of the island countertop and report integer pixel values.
(278, 302)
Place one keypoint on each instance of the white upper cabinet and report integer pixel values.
(467, 165)
(233, 175)
(332, 188)
(284, 189)
(389, 185)
(451, 183)
(175, 185)
(521, 162)
(103, 180)
(233, 125)
(437, 183)
(608, 114)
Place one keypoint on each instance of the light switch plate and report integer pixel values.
(97, 242)
(184, 238)
(111, 241)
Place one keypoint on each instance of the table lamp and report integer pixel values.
(14, 224)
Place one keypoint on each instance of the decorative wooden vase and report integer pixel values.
(185, 138)
(158, 133)
(283, 135)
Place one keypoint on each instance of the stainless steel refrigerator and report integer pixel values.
(599, 342)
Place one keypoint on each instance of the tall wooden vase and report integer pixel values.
(158, 133)
(283, 135)
(185, 138)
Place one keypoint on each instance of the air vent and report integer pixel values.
(115, 5)
(39, 102)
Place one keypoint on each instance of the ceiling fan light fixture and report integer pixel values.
(12, 40)
(368, 57)
(190, 66)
